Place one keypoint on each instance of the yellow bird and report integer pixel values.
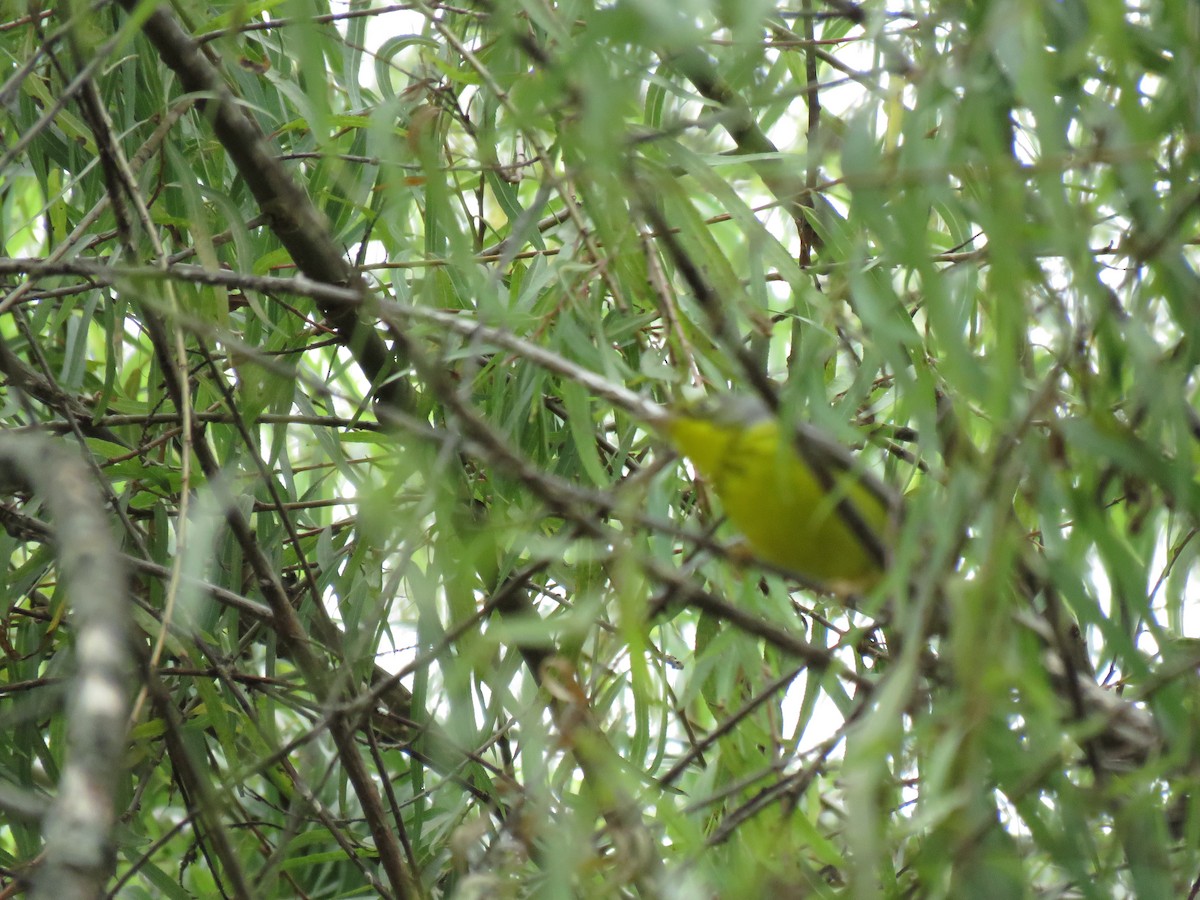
(801, 499)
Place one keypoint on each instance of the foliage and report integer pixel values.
(344, 310)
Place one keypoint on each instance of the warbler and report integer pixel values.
(801, 500)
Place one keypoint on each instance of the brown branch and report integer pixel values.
(319, 675)
(423, 741)
(291, 215)
(779, 174)
(198, 792)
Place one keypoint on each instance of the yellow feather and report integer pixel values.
(778, 502)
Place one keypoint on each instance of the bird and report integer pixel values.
(803, 502)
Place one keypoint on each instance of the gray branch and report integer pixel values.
(79, 853)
